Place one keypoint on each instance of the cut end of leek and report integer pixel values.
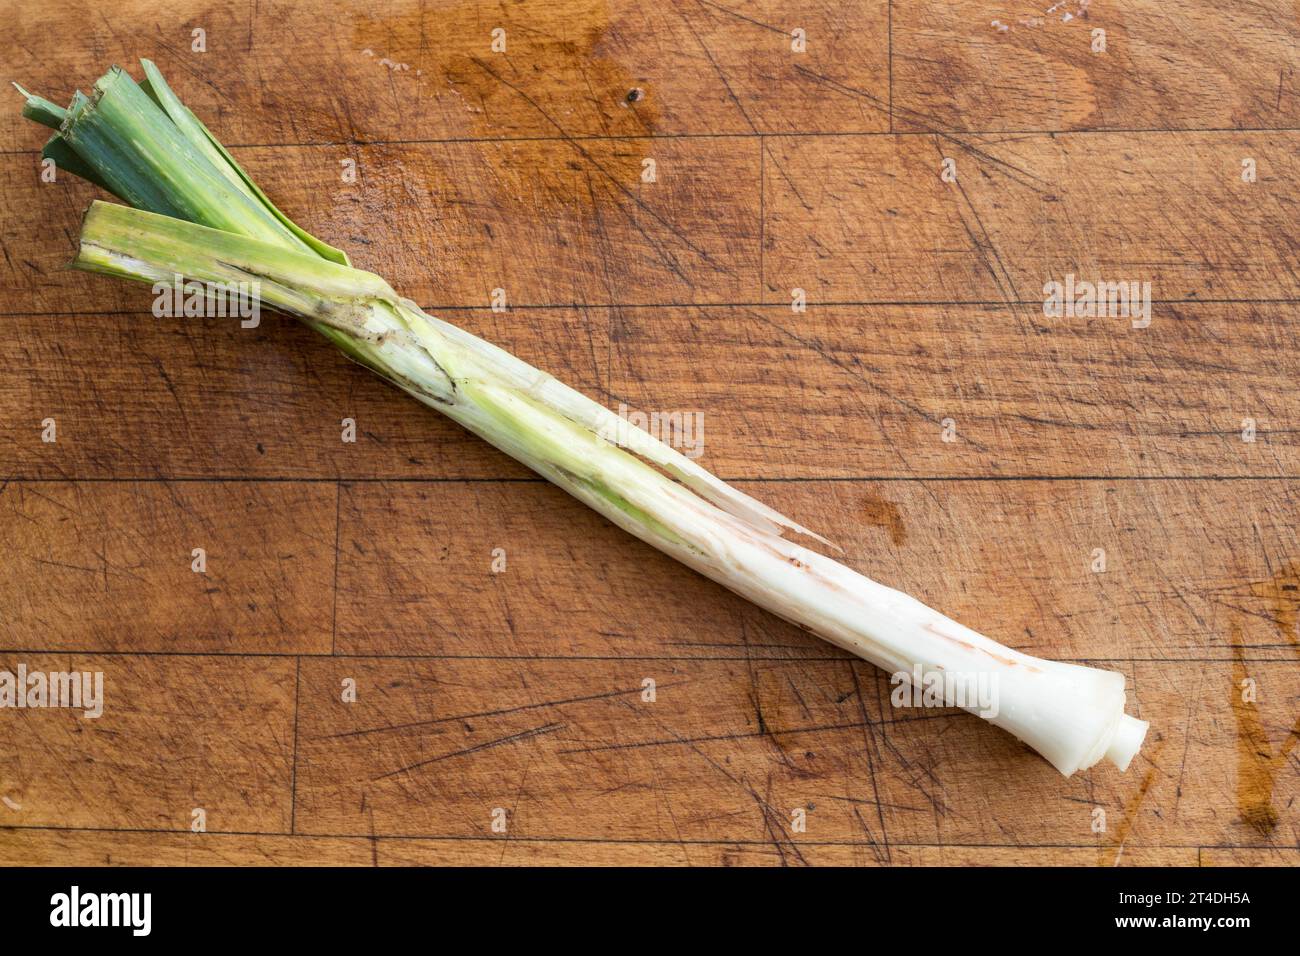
(41, 110)
(1127, 741)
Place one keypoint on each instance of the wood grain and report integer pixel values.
(1189, 65)
(514, 852)
(336, 565)
(1250, 856)
(128, 551)
(62, 847)
(411, 70)
(123, 848)
(729, 749)
(1015, 558)
(445, 223)
(854, 390)
(176, 734)
(205, 398)
(852, 219)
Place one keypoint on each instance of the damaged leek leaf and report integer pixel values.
(139, 142)
(198, 215)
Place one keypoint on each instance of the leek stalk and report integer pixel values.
(194, 212)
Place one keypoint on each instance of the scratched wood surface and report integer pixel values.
(369, 564)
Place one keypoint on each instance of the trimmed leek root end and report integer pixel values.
(1127, 741)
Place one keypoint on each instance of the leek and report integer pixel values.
(194, 212)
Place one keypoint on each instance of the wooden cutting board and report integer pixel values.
(825, 231)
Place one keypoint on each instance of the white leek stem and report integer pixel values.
(1072, 715)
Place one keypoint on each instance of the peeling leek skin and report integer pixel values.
(200, 216)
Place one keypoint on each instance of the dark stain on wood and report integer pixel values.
(554, 76)
(1131, 809)
(880, 513)
(1255, 762)
(1257, 765)
(555, 65)
(1282, 592)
